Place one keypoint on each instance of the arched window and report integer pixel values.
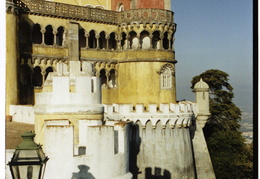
(112, 79)
(82, 38)
(165, 41)
(120, 7)
(112, 41)
(59, 36)
(48, 70)
(133, 40)
(145, 40)
(36, 34)
(103, 78)
(48, 35)
(92, 41)
(166, 74)
(123, 41)
(156, 40)
(102, 40)
(37, 76)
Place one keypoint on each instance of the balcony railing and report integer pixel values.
(61, 10)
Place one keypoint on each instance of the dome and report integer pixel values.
(201, 85)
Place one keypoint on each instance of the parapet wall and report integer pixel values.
(97, 142)
(177, 115)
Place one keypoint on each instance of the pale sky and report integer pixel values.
(214, 34)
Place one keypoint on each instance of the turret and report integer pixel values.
(201, 90)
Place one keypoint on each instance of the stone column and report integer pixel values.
(55, 37)
(87, 36)
(97, 39)
(151, 41)
(43, 39)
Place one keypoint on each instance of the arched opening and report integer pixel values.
(36, 34)
(59, 36)
(145, 40)
(48, 35)
(165, 41)
(48, 70)
(37, 77)
(82, 38)
(112, 41)
(120, 7)
(156, 40)
(123, 41)
(133, 40)
(102, 40)
(112, 79)
(92, 41)
(103, 78)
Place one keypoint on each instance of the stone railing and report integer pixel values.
(61, 10)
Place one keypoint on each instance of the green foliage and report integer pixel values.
(230, 156)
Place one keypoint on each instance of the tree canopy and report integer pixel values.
(230, 156)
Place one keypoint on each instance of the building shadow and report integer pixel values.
(157, 174)
(83, 173)
(134, 143)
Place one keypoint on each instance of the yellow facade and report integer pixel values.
(134, 57)
(12, 91)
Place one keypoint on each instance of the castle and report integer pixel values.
(97, 79)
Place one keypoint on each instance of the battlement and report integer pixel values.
(179, 114)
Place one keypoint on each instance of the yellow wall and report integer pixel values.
(11, 61)
(139, 82)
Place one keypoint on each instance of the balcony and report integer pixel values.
(67, 11)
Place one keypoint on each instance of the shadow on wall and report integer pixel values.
(83, 173)
(157, 174)
(134, 144)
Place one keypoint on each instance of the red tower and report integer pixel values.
(119, 5)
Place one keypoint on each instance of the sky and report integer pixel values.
(214, 34)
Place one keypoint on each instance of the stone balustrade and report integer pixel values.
(61, 10)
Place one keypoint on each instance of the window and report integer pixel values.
(166, 74)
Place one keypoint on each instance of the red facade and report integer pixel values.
(137, 4)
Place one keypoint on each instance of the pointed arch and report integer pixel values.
(48, 35)
(145, 40)
(112, 41)
(36, 34)
(37, 76)
(133, 40)
(102, 40)
(92, 41)
(156, 40)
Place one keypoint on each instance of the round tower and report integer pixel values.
(12, 54)
(145, 59)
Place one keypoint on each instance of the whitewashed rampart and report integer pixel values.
(177, 115)
(22, 113)
(106, 149)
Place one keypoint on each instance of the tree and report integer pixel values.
(230, 156)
